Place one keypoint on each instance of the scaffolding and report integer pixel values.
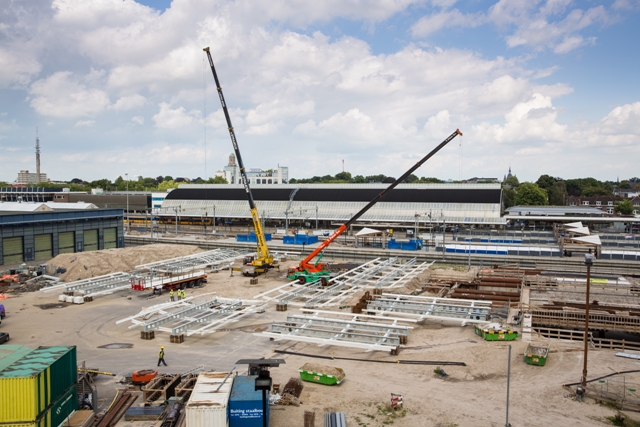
(355, 332)
(190, 317)
(421, 308)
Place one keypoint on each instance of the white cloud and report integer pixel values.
(168, 118)
(532, 120)
(16, 68)
(432, 23)
(438, 125)
(60, 95)
(622, 120)
(138, 120)
(539, 29)
(85, 123)
(126, 103)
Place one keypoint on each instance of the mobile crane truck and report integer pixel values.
(263, 260)
(308, 271)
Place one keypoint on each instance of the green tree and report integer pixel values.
(430, 180)
(4, 184)
(508, 198)
(412, 179)
(512, 181)
(529, 194)
(624, 207)
(376, 178)
(555, 187)
(105, 184)
(592, 191)
(168, 178)
(359, 179)
(167, 184)
(343, 177)
(217, 180)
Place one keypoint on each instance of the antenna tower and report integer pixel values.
(37, 157)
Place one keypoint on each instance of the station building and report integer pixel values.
(327, 204)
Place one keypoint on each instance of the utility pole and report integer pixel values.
(128, 222)
(588, 261)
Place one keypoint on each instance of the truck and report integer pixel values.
(157, 281)
(262, 260)
(308, 271)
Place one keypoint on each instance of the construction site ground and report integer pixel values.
(472, 395)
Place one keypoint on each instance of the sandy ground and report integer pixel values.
(472, 395)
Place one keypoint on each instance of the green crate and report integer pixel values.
(320, 378)
(536, 355)
(495, 332)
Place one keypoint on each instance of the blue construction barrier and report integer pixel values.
(251, 237)
(411, 245)
(300, 239)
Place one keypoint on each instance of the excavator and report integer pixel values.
(309, 271)
(263, 260)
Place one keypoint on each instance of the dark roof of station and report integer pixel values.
(338, 194)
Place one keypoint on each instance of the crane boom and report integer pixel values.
(307, 267)
(264, 258)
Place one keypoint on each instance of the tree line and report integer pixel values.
(160, 183)
(553, 191)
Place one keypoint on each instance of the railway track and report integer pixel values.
(574, 265)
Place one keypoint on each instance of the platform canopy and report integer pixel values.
(368, 232)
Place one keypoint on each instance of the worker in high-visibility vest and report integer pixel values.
(171, 294)
(161, 357)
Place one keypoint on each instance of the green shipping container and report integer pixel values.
(56, 414)
(29, 385)
(9, 354)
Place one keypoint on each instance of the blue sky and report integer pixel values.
(117, 86)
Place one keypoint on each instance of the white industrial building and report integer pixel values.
(26, 177)
(231, 173)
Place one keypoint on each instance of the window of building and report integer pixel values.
(598, 203)
(585, 203)
(610, 203)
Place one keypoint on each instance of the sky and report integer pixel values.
(115, 87)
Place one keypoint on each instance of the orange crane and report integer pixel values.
(309, 271)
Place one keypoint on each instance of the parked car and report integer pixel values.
(4, 337)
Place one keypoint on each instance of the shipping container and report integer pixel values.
(245, 404)
(208, 404)
(32, 383)
(63, 363)
(56, 414)
(10, 354)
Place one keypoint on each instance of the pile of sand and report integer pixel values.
(83, 265)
